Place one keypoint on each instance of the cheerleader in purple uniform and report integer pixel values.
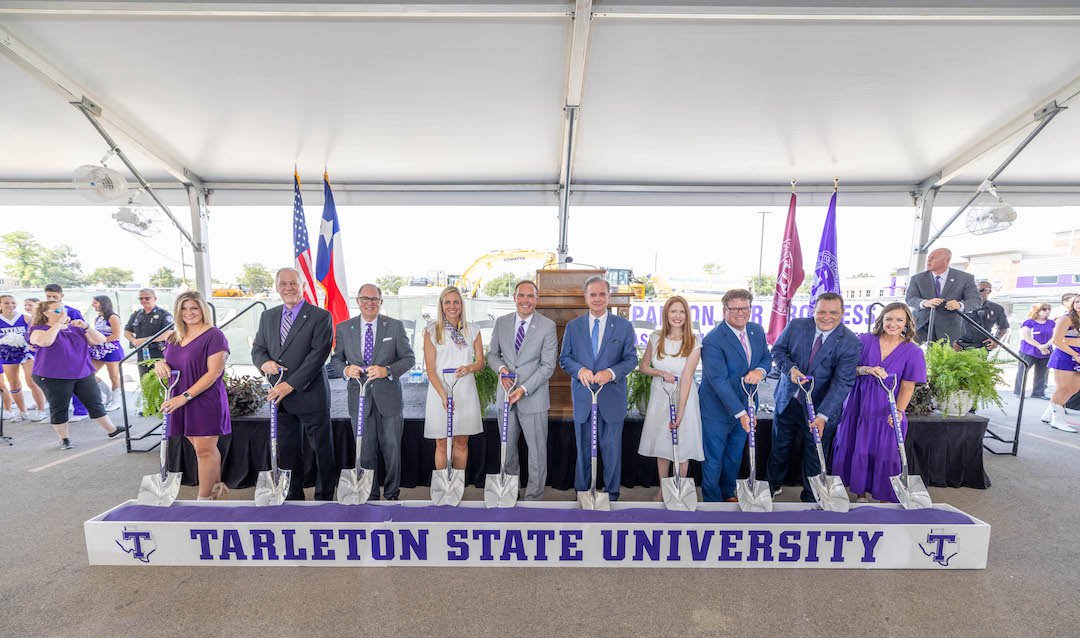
(108, 354)
(864, 451)
(14, 352)
(1065, 362)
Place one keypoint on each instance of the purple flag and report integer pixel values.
(826, 270)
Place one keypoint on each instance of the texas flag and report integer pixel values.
(330, 262)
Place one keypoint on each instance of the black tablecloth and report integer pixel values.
(948, 452)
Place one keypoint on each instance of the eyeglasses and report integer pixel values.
(369, 299)
(145, 298)
(738, 310)
(986, 290)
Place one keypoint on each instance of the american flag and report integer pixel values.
(301, 247)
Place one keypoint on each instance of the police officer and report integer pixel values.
(991, 316)
(143, 324)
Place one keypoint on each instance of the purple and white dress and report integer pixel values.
(109, 351)
(1061, 361)
(14, 348)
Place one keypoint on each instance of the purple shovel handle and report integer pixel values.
(892, 408)
(506, 408)
(674, 431)
(360, 420)
(594, 422)
(450, 404)
(810, 406)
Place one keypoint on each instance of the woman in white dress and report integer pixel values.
(450, 342)
(673, 351)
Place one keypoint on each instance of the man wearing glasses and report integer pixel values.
(374, 348)
(991, 316)
(732, 354)
(143, 324)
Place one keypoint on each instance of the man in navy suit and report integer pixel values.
(598, 347)
(733, 353)
(822, 348)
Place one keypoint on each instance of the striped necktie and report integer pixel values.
(520, 336)
(286, 324)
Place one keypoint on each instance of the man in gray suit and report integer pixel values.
(376, 347)
(949, 291)
(524, 343)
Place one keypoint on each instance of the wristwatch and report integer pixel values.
(187, 396)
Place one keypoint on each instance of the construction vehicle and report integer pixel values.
(498, 262)
(238, 291)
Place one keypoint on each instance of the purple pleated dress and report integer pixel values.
(864, 450)
(208, 413)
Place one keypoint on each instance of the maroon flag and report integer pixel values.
(788, 278)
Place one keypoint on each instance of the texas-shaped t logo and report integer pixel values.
(938, 546)
(139, 543)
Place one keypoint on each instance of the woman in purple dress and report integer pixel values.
(199, 407)
(864, 452)
(108, 354)
(62, 367)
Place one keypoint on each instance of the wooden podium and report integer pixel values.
(562, 298)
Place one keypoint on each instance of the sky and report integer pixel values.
(415, 240)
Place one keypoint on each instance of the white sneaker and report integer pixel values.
(78, 417)
(1057, 420)
(37, 415)
(23, 416)
(112, 406)
(11, 415)
(1048, 413)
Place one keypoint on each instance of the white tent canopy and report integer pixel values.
(507, 103)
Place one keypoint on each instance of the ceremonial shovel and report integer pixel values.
(754, 496)
(591, 499)
(448, 486)
(501, 490)
(273, 485)
(910, 490)
(829, 491)
(161, 489)
(680, 493)
(354, 486)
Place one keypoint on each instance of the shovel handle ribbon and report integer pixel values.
(506, 406)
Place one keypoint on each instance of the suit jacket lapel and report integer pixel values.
(826, 347)
(380, 333)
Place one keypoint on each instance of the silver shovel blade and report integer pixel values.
(501, 490)
(830, 494)
(154, 491)
(447, 487)
(594, 500)
(271, 492)
(914, 495)
(679, 496)
(755, 499)
(353, 489)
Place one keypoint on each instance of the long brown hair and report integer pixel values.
(41, 313)
(179, 327)
(909, 322)
(1037, 308)
(687, 344)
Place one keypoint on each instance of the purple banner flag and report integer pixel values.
(826, 270)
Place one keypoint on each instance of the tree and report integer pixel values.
(391, 284)
(763, 285)
(111, 276)
(61, 266)
(164, 278)
(501, 286)
(25, 256)
(807, 285)
(256, 278)
(712, 269)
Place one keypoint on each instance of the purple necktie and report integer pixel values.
(814, 351)
(746, 346)
(937, 285)
(286, 323)
(369, 345)
(520, 336)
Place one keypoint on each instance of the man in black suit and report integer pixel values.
(296, 337)
(947, 291)
(375, 348)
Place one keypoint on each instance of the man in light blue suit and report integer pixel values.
(733, 353)
(598, 347)
(822, 348)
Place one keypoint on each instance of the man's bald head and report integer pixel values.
(938, 260)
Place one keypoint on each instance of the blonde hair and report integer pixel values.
(1034, 314)
(687, 344)
(179, 327)
(463, 325)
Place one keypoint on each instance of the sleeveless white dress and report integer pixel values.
(655, 434)
(467, 417)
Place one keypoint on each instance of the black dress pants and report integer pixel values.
(310, 428)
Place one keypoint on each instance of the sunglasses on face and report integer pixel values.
(144, 298)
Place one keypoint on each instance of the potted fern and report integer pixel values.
(638, 388)
(962, 379)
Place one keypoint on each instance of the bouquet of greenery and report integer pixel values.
(950, 372)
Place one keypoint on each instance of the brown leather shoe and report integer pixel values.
(733, 499)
